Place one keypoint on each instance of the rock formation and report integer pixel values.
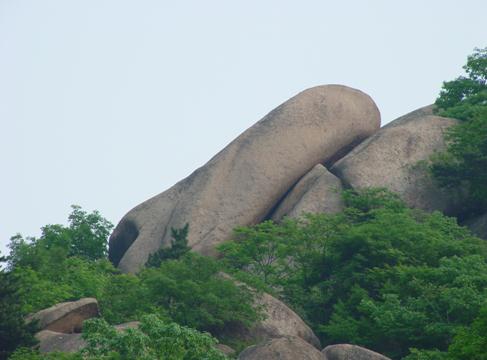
(284, 348)
(319, 191)
(66, 317)
(390, 159)
(350, 352)
(50, 341)
(243, 182)
(279, 320)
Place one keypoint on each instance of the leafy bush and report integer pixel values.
(464, 164)
(378, 275)
(154, 339)
(190, 292)
(179, 247)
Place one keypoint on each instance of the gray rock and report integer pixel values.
(66, 317)
(127, 325)
(225, 349)
(244, 181)
(285, 348)
(350, 352)
(279, 320)
(55, 341)
(319, 191)
(391, 159)
(478, 226)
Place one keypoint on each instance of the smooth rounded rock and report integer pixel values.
(243, 182)
(66, 317)
(319, 191)
(55, 341)
(350, 352)
(285, 348)
(392, 158)
(278, 320)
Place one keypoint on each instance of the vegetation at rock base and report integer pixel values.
(13, 330)
(464, 164)
(379, 274)
(64, 264)
(179, 247)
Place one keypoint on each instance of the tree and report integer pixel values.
(464, 164)
(14, 331)
(179, 247)
(190, 292)
(154, 339)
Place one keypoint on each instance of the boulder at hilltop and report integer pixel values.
(391, 159)
(66, 317)
(284, 348)
(244, 181)
(319, 191)
(350, 352)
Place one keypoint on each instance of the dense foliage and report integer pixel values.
(13, 330)
(179, 247)
(154, 339)
(464, 164)
(379, 274)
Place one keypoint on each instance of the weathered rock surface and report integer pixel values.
(285, 348)
(350, 352)
(319, 191)
(55, 341)
(279, 320)
(127, 325)
(390, 159)
(225, 349)
(478, 226)
(66, 317)
(243, 182)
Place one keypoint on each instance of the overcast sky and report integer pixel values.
(107, 103)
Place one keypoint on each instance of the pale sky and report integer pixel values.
(105, 103)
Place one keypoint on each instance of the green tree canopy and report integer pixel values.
(464, 164)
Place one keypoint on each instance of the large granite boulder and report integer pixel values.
(55, 341)
(319, 191)
(66, 317)
(392, 158)
(280, 321)
(244, 181)
(350, 352)
(285, 348)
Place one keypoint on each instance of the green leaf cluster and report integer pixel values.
(179, 247)
(464, 164)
